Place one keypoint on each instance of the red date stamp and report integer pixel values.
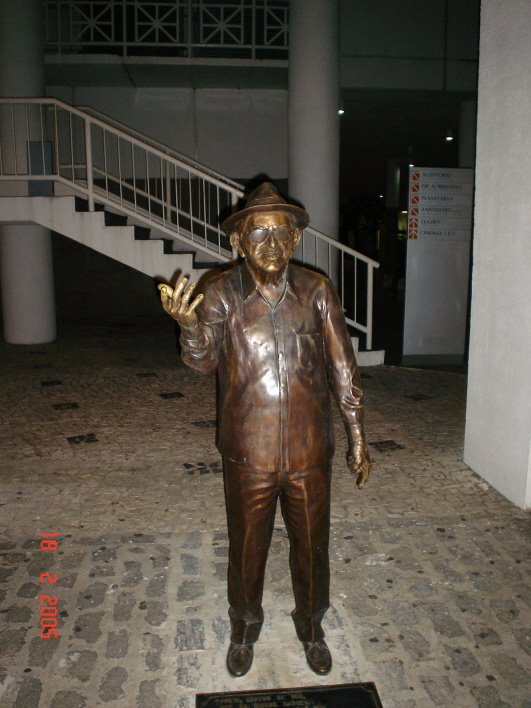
(49, 543)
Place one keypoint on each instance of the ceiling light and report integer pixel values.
(449, 135)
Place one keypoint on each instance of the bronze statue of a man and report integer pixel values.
(276, 334)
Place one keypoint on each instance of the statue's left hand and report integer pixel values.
(359, 462)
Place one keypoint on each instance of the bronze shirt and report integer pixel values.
(276, 366)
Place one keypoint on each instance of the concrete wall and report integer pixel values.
(236, 132)
(412, 44)
(498, 428)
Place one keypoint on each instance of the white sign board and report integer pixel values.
(437, 271)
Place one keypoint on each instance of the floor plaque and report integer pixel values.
(347, 695)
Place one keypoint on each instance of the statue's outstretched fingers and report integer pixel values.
(179, 288)
(195, 303)
(188, 292)
(165, 290)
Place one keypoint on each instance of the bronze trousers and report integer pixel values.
(251, 499)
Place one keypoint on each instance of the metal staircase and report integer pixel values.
(51, 152)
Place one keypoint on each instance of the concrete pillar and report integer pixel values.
(25, 250)
(498, 425)
(313, 103)
(467, 134)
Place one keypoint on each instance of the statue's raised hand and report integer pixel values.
(176, 302)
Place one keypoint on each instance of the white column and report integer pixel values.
(25, 249)
(313, 103)
(498, 426)
(467, 134)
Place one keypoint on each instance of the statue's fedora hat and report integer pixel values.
(265, 197)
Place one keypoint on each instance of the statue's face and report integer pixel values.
(267, 241)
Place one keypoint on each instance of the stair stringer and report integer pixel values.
(88, 228)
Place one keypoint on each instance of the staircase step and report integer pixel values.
(83, 205)
(112, 219)
(142, 233)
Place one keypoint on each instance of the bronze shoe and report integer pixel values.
(239, 659)
(318, 656)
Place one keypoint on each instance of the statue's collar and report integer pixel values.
(249, 285)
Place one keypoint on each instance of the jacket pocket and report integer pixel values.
(309, 349)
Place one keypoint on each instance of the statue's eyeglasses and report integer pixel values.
(259, 235)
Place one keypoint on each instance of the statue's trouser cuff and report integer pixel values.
(251, 499)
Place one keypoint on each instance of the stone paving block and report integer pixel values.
(17, 613)
(68, 699)
(152, 648)
(488, 697)
(41, 651)
(111, 687)
(485, 635)
(442, 620)
(104, 554)
(67, 580)
(523, 638)
(416, 644)
(510, 670)
(188, 669)
(12, 641)
(402, 613)
(5, 574)
(29, 590)
(123, 607)
(133, 574)
(156, 611)
(147, 696)
(29, 694)
(102, 571)
(439, 689)
(41, 563)
(190, 590)
(463, 661)
(190, 635)
(72, 561)
(392, 674)
(189, 564)
(157, 585)
(466, 602)
(117, 644)
(505, 609)
(80, 664)
(87, 627)
(221, 629)
(92, 596)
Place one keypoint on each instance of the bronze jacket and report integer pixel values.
(276, 366)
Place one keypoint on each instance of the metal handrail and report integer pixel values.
(45, 139)
(160, 146)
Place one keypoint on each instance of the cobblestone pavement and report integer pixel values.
(108, 441)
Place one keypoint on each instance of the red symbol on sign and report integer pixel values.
(415, 187)
(413, 223)
(415, 200)
(413, 235)
(415, 176)
(415, 211)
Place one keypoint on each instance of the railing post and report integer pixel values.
(88, 163)
(124, 28)
(370, 274)
(168, 191)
